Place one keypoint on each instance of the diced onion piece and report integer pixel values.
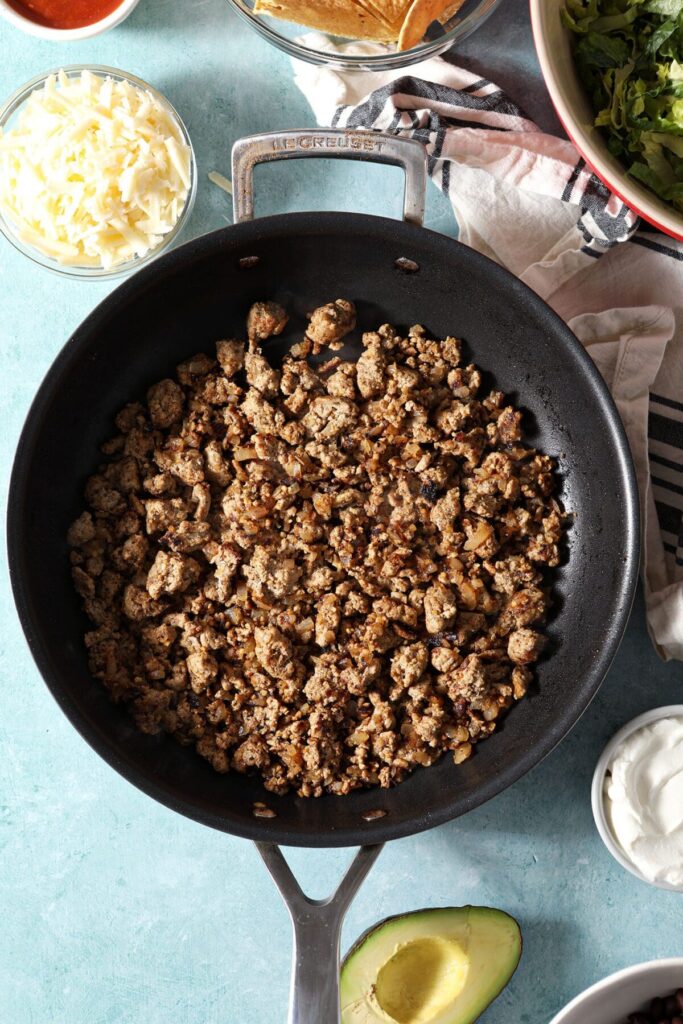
(94, 172)
(480, 535)
(243, 454)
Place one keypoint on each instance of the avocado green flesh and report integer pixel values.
(430, 967)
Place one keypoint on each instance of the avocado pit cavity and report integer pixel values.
(421, 979)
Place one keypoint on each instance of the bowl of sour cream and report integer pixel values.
(637, 797)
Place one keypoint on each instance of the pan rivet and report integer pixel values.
(406, 265)
(247, 262)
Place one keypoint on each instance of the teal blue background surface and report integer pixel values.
(113, 909)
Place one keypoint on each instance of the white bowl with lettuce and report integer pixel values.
(614, 72)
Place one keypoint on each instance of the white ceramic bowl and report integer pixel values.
(627, 991)
(67, 34)
(597, 790)
(553, 46)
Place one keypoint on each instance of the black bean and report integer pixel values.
(663, 1010)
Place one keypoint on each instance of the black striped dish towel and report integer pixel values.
(528, 200)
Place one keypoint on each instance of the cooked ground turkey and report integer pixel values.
(328, 575)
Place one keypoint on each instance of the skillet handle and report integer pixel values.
(314, 989)
(336, 143)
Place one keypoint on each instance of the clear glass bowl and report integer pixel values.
(11, 109)
(287, 36)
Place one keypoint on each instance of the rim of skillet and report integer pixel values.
(380, 830)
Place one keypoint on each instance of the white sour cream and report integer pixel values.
(643, 796)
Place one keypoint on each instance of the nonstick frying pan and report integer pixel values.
(398, 273)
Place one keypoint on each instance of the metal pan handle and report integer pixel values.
(336, 143)
(314, 990)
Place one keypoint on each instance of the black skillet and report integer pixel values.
(201, 292)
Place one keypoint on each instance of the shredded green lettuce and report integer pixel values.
(629, 54)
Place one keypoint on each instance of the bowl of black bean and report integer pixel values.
(648, 993)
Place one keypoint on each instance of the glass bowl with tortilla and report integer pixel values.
(364, 35)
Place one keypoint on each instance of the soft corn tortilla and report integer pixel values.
(338, 17)
(421, 14)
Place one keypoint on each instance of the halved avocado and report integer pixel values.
(430, 967)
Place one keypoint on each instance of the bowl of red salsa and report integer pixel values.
(65, 19)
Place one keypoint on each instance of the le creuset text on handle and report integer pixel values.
(334, 143)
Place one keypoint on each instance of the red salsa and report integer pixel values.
(65, 13)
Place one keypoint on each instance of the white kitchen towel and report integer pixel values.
(527, 200)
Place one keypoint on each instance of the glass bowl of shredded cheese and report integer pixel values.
(97, 172)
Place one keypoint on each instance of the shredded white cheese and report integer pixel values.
(216, 178)
(95, 171)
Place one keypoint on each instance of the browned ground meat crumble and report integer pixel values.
(329, 575)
